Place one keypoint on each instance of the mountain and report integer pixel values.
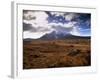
(56, 35)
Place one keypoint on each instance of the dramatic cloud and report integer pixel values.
(66, 25)
(38, 23)
(31, 28)
(28, 15)
(71, 16)
(57, 14)
(80, 32)
(61, 29)
(27, 27)
(28, 34)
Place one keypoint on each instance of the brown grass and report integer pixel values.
(56, 53)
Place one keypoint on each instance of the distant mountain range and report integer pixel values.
(54, 35)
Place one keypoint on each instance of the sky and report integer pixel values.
(38, 23)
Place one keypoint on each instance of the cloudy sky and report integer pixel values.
(38, 23)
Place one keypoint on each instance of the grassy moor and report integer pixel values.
(56, 53)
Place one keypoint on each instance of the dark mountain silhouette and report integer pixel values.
(28, 39)
(54, 35)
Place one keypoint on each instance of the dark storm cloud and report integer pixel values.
(27, 27)
(27, 15)
(29, 18)
(39, 29)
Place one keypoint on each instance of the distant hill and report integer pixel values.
(27, 40)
